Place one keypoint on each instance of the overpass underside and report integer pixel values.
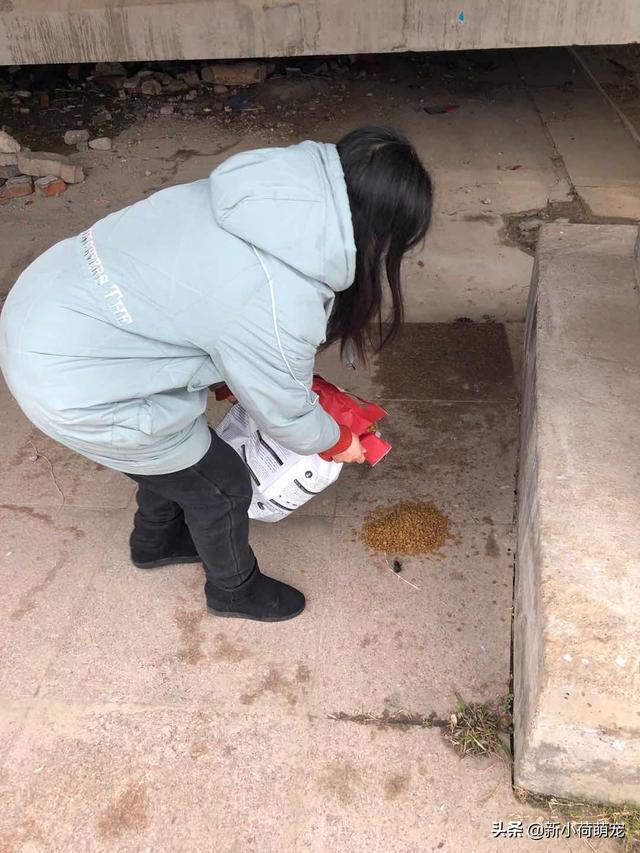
(45, 31)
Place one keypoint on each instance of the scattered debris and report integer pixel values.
(243, 73)
(8, 145)
(190, 78)
(132, 83)
(513, 168)
(522, 228)
(408, 527)
(102, 117)
(41, 164)
(439, 109)
(397, 571)
(207, 73)
(10, 170)
(237, 103)
(281, 90)
(50, 186)
(109, 69)
(17, 187)
(485, 201)
(73, 137)
(626, 815)
(101, 143)
(151, 87)
(109, 81)
(531, 224)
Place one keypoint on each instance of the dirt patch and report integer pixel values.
(489, 218)
(227, 651)
(522, 229)
(395, 785)
(191, 637)
(447, 361)
(44, 517)
(28, 600)
(198, 748)
(341, 779)
(129, 813)
(491, 548)
(408, 527)
(303, 673)
(276, 683)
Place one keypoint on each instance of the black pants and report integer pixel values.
(212, 497)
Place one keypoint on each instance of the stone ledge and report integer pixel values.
(577, 607)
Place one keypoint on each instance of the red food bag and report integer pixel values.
(359, 415)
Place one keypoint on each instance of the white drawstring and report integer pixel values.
(312, 398)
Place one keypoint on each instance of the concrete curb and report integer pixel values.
(577, 599)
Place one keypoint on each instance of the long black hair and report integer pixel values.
(390, 198)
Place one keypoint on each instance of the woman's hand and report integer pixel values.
(354, 453)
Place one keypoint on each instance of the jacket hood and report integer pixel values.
(290, 203)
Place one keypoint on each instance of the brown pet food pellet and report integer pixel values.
(408, 527)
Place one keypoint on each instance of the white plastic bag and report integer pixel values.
(282, 480)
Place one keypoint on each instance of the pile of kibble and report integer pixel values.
(408, 527)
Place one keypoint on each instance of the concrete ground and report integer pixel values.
(132, 720)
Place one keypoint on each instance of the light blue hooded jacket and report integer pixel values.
(110, 340)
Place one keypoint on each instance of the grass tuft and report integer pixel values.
(481, 729)
(628, 815)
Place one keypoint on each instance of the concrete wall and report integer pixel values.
(577, 600)
(39, 31)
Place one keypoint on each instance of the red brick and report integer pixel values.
(50, 186)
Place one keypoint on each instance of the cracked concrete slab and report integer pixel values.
(462, 455)
(412, 642)
(377, 780)
(133, 720)
(583, 126)
(47, 562)
(225, 777)
(124, 682)
(178, 652)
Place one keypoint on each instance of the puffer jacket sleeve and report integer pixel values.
(281, 402)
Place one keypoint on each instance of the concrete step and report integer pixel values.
(577, 608)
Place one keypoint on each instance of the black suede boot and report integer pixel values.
(179, 549)
(260, 598)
